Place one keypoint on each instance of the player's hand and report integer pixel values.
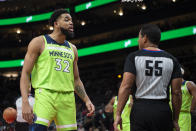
(90, 107)
(117, 122)
(176, 126)
(27, 113)
(109, 109)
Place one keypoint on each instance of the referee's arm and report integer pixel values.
(124, 91)
(176, 98)
(123, 95)
(176, 82)
(128, 81)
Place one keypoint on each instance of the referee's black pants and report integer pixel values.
(151, 115)
(21, 126)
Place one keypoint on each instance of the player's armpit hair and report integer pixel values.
(80, 91)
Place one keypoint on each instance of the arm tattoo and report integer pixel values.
(81, 92)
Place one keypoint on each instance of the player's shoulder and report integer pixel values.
(37, 41)
(74, 48)
(191, 86)
(72, 45)
(190, 83)
(36, 44)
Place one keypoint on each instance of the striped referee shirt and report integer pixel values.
(154, 71)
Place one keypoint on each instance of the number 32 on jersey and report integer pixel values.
(59, 65)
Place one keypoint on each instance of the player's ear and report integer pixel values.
(56, 23)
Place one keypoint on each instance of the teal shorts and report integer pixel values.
(58, 106)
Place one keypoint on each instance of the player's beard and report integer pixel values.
(67, 33)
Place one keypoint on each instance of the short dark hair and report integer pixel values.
(56, 15)
(152, 32)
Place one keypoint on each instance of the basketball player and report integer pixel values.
(125, 114)
(52, 60)
(152, 70)
(188, 104)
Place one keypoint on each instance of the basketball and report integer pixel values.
(9, 114)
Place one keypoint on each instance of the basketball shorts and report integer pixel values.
(125, 126)
(185, 121)
(58, 106)
(151, 115)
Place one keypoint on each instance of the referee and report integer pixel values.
(152, 70)
(21, 124)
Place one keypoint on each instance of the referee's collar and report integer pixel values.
(152, 50)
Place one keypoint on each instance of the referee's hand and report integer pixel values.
(176, 126)
(117, 122)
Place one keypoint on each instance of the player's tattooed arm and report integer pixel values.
(80, 91)
(79, 87)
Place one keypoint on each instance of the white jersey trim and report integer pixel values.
(42, 119)
(66, 126)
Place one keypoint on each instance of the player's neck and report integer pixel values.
(58, 37)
